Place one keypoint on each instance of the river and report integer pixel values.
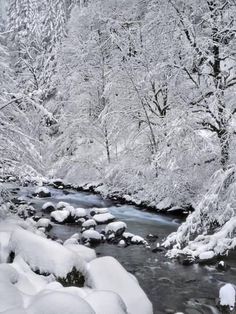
(170, 286)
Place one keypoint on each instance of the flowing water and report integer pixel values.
(170, 286)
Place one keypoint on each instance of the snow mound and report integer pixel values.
(106, 273)
(10, 297)
(227, 296)
(43, 254)
(106, 302)
(84, 252)
(59, 303)
(103, 218)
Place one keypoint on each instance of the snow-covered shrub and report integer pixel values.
(212, 227)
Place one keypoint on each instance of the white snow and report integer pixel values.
(121, 243)
(61, 205)
(103, 218)
(59, 303)
(10, 297)
(99, 210)
(106, 273)
(127, 235)
(91, 234)
(89, 223)
(164, 204)
(48, 205)
(78, 212)
(206, 255)
(4, 248)
(43, 222)
(138, 240)
(106, 302)
(60, 215)
(113, 227)
(43, 254)
(227, 296)
(84, 252)
(42, 189)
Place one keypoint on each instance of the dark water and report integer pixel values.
(170, 286)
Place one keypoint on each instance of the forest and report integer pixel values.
(117, 156)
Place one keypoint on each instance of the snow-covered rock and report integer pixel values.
(42, 191)
(106, 273)
(206, 255)
(48, 207)
(25, 211)
(61, 205)
(138, 240)
(60, 216)
(92, 236)
(90, 223)
(227, 296)
(44, 222)
(106, 302)
(122, 243)
(59, 303)
(84, 252)
(222, 266)
(44, 255)
(117, 228)
(103, 218)
(78, 212)
(128, 235)
(96, 211)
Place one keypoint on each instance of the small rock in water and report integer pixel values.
(138, 240)
(92, 236)
(117, 228)
(122, 243)
(185, 260)
(222, 266)
(42, 192)
(151, 238)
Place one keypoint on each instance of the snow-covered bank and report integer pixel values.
(165, 205)
(33, 269)
(210, 230)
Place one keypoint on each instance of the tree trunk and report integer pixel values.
(224, 146)
(107, 146)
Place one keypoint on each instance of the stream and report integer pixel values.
(171, 287)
